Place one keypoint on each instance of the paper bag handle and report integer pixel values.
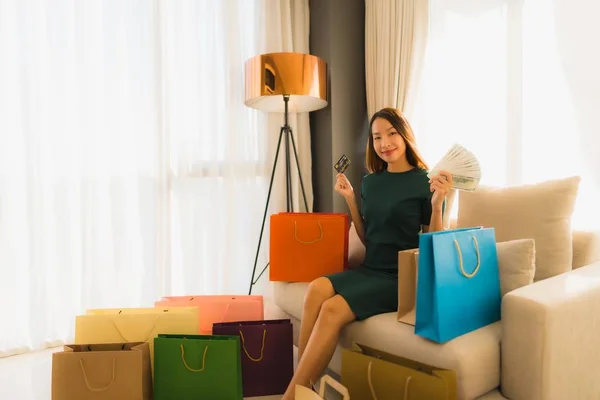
(262, 350)
(225, 312)
(338, 387)
(370, 381)
(208, 326)
(87, 383)
(310, 241)
(460, 259)
(186, 364)
(129, 341)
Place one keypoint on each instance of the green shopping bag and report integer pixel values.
(197, 367)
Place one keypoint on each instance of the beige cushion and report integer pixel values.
(289, 296)
(475, 356)
(541, 212)
(516, 262)
(586, 248)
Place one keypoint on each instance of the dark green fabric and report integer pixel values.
(394, 206)
(221, 378)
(367, 291)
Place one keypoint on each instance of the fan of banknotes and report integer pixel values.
(463, 166)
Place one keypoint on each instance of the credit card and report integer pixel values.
(342, 164)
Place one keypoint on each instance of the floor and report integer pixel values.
(27, 377)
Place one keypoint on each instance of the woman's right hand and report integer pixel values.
(343, 186)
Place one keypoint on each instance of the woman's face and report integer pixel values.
(387, 142)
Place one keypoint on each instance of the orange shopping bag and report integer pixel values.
(218, 308)
(305, 246)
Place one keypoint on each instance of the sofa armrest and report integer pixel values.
(551, 338)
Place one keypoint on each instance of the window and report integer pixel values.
(499, 79)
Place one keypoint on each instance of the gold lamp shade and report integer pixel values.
(303, 77)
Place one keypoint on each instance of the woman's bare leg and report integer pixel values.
(319, 290)
(334, 315)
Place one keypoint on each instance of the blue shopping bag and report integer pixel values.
(458, 287)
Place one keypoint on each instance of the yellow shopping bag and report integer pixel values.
(304, 393)
(134, 326)
(374, 374)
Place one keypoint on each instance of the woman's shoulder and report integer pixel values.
(421, 171)
(422, 180)
(373, 177)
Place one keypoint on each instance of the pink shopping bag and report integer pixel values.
(218, 308)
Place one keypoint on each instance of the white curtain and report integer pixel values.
(516, 82)
(221, 176)
(395, 41)
(129, 166)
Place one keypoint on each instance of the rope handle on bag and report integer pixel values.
(310, 241)
(262, 349)
(87, 383)
(129, 341)
(186, 364)
(370, 381)
(460, 259)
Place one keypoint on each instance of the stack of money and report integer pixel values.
(463, 165)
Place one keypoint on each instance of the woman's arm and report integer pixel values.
(435, 225)
(359, 224)
(343, 187)
(439, 185)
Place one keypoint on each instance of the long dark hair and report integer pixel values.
(373, 162)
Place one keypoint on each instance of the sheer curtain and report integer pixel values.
(221, 152)
(129, 166)
(500, 79)
(395, 42)
(78, 172)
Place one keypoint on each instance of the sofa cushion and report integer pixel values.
(475, 356)
(516, 262)
(290, 297)
(586, 248)
(539, 211)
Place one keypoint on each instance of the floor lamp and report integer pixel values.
(284, 83)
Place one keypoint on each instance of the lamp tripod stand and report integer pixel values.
(285, 132)
(301, 81)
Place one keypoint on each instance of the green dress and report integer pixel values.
(394, 206)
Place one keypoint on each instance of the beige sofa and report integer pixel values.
(547, 345)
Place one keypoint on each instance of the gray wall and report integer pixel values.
(337, 35)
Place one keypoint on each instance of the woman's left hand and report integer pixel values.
(440, 185)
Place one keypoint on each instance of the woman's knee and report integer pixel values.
(319, 290)
(336, 311)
